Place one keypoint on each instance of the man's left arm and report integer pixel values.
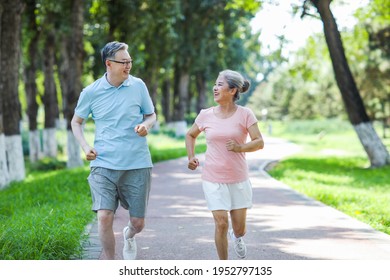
(143, 128)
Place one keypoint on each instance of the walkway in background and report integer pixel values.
(282, 225)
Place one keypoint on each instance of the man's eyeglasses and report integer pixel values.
(127, 63)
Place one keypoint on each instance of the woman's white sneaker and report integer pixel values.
(239, 245)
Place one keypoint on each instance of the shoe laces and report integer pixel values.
(130, 242)
(239, 244)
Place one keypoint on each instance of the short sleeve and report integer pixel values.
(250, 118)
(200, 119)
(147, 106)
(83, 108)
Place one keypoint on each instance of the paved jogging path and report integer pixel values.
(282, 225)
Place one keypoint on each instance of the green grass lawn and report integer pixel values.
(44, 217)
(333, 168)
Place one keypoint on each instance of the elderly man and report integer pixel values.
(120, 161)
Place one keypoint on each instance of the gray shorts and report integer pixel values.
(129, 187)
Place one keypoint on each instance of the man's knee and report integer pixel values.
(137, 224)
(105, 218)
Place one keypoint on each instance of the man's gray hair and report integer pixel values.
(110, 49)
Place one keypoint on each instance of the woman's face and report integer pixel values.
(222, 93)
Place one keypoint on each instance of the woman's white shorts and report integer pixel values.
(223, 196)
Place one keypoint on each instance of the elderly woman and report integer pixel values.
(225, 176)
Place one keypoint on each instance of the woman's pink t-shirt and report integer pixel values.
(221, 165)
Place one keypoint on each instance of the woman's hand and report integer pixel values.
(193, 163)
(232, 146)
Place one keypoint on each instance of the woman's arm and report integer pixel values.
(255, 144)
(191, 136)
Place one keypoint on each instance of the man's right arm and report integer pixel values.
(77, 129)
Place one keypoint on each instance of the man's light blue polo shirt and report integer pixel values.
(116, 111)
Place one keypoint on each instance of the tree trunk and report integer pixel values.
(375, 149)
(63, 71)
(73, 149)
(4, 175)
(50, 100)
(71, 72)
(151, 82)
(201, 86)
(30, 82)
(182, 80)
(166, 100)
(9, 75)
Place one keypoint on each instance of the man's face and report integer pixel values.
(120, 66)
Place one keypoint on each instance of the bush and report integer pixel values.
(47, 164)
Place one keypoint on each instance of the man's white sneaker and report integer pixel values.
(129, 247)
(239, 245)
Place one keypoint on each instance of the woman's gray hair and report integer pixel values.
(235, 80)
(110, 49)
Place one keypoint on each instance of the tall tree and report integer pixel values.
(71, 64)
(374, 82)
(4, 175)
(31, 65)
(375, 149)
(50, 93)
(9, 74)
(157, 54)
(197, 49)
